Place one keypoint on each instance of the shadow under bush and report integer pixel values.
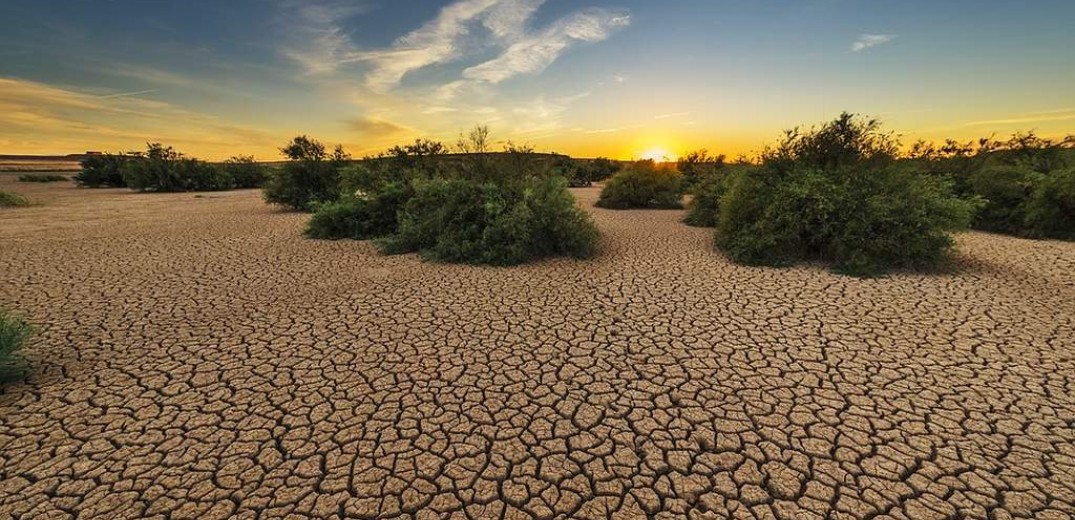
(505, 223)
(643, 185)
(41, 178)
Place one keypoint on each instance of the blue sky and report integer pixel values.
(586, 77)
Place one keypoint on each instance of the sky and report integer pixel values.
(616, 78)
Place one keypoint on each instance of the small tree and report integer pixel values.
(310, 177)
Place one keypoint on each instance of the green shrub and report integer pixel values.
(163, 169)
(1050, 212)
(12, 200)
(601, 169)
(243, 172)
(360, 217)
(103, 171)
(699, 165)
(1006, 191)
(506, 223)
(14, 333)
(643, 185)
(41, 178)
(837, 195)
(310, 177)
(706, 194)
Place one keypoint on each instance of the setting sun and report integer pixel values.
(657, 155)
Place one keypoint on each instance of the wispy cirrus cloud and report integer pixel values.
(534, 52)
(867, 41)
(461, 29)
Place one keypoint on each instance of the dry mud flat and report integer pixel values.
(199, 359)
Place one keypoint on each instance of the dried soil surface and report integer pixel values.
(199, 359)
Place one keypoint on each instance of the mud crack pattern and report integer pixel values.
(199, 359)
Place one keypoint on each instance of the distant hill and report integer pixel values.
(41, 163)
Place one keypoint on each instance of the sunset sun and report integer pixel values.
(657, 155)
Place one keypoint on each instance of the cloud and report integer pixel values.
(378, 127)
(871, 40)
(127, 94)
(455, 33)
(534, 52)
(1032, 117)
(42, 118)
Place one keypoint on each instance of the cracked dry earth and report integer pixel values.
(199, 359)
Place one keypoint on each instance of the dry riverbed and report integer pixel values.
(197, 358)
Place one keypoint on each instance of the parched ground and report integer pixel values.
(199, 359)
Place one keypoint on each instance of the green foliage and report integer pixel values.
(41, 178)
(505, 223)
(310, 177)
(1007, 191)
(243, 172)
(601, 169)
(361, 217)
(12, 200)
(103, 171)
(698, 165)
(836, 194)
(163, 169)
(14, 333)
(1050, 213)
(1022, 181)
(707, 193)
(643, 185)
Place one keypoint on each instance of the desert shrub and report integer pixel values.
(12, 200)
(1006, 191)
(699, 165)
(14, 333)
(576, 174)
(310, 177)
(243, 172)
(706, 194)
(359, 217)
(505, 223)
(103, 171)
(163, 169)
(41, 178)
(836, 194)
(643, 185)
(601, 169)
(1050, 212)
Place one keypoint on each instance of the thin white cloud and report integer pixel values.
(127, 94)
(535, 52)
(871, 40)
(449, 37)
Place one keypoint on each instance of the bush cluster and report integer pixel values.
(361, 216)
(1025, 182)
(643, 185)
(309, 178)
(497, 223)
(477, 208)
(30, 177)
(706, 193)
(103, 171)
(12, 200)
(14, 333)
(243, 172)
(163, 169)
(837, 194)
